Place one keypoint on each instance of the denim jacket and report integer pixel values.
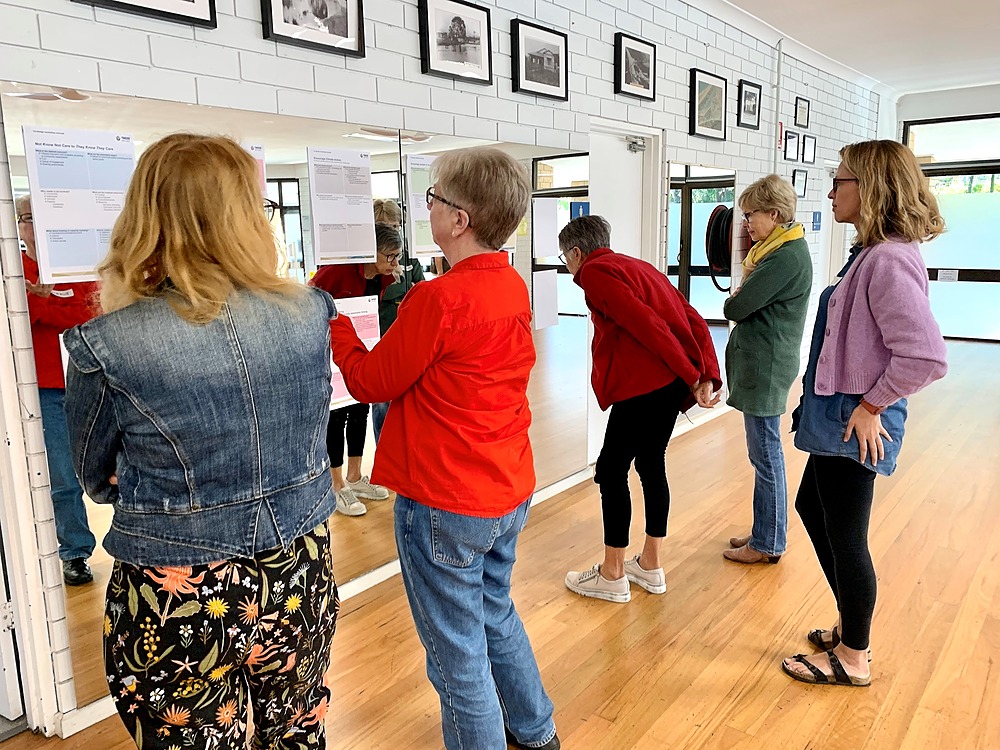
(216, 432)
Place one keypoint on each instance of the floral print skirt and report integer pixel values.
(188, 650)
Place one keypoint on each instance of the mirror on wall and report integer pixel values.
(361, 543)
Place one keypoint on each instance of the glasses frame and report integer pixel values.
(27, 218)
(748, 214)
(270, 208)
(430, 196)
(838, 180)
(392, 258)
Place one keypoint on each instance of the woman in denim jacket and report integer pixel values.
(874, 344)
(197, 406)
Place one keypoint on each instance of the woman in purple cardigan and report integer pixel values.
(874, 344)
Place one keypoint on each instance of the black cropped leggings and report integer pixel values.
(638, 430)
(835, 504)
(352, 420)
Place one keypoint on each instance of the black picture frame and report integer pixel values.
(799, 179)
(791, 145)
(531, 64)
(202, 12)
(802, 108)
(708, 99)
(635, 67)
(808, 149)
(748, 104)
(319, 34)
(456, 40)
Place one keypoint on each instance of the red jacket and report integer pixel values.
(68, 305)
(646, 335)
(344, 281)
(455, 365)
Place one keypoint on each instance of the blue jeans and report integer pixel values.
(379, 411)
(770, 490)
(72, 529)
(456, 570)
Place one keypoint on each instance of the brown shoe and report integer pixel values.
(739, 541)
(747, 554)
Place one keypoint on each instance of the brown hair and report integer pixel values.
(895, 195)
(490, 186)
(192, 230)
(770, 193)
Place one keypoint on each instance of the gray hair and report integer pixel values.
(587, 233)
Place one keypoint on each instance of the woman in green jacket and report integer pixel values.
(763, 356)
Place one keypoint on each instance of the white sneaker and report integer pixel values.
(652, 580)
(592, 583)
(365, 489)
(348, 503)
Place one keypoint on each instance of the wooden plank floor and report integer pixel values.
(699, 667)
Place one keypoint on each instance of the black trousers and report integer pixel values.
(352, 420)
(638, 430)
(835, 504)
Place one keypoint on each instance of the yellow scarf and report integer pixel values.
(782, 233)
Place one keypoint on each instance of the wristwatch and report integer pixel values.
(872, 409)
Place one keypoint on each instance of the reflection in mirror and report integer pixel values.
(284, 140)
(701, 224)
(557, 390)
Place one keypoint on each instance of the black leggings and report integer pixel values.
(353, 420)
(835, 504)
(638, 429)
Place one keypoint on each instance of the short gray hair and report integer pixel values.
(587, 233)
(21, 203)
(771, 193)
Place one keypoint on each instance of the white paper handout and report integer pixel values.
(418, 179)
(78, 180)
(340, 186)
(363, 312)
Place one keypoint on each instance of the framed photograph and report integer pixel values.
(539, 58)
(791, 145)
(194, 12)
(328, 25)
(802, 112)
(455, 40)
(808, 149)
(708, 105)
(799, 181)
(635, 67)
(748, 111)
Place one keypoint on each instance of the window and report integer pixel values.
(288, 222)
(561, 172)
(952, 140)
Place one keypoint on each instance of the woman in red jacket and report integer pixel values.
(54, 308)
(455, 366)
(653, 358)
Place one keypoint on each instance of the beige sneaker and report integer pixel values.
(364, 489)
(652, 580)
(591, 583)
(348, 503)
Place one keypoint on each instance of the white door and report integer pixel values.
(622, 190)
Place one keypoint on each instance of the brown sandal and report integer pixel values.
(818, 677)
(816, 638)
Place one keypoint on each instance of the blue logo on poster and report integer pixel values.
(817, 220)
(578, 209)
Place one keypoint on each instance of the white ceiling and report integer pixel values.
(908, 45)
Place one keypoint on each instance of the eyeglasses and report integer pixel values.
(269, 208)
(748, 214)
(837, 181)
(430, 197)
(391, 257)
(25, 219)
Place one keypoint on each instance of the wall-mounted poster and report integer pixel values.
(455, 40)
(195, 12)
(799, 181)
(708, 105)
(539, 60)
(791, 145)
(328, 25)
(748, 106)
(340, 187)
(418, 215)
(802, 107)
(78, 180)
(808, 149)
(635, 67)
